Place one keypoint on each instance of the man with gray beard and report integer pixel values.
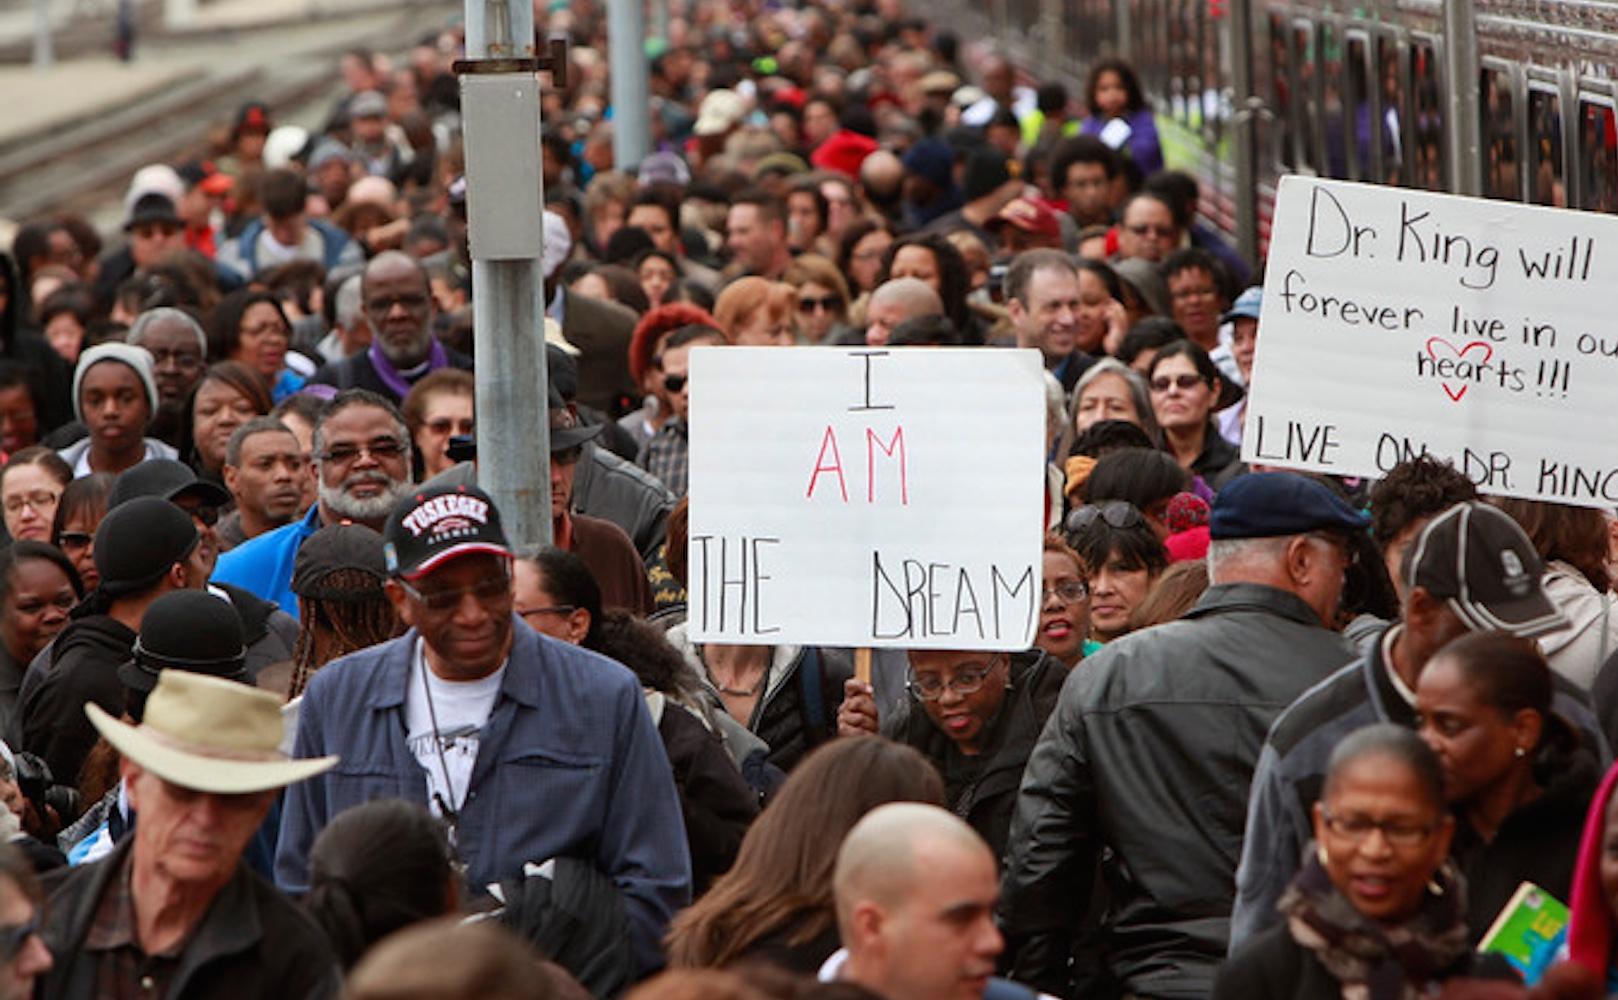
(362, 464)
(397, 303)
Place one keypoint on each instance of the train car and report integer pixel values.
(1511, 99)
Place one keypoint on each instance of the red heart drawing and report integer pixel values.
(1488, 352)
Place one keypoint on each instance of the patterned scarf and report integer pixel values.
(1374, 961)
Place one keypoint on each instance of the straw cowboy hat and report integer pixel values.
(210, 735)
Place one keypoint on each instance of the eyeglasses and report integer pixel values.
(73, 541)
(485, 592)
(1163, 232)
(1185, 383)
(14, 936)
(1116, 513)
(967, 680)
(1350, 554)
(383, 304)
(446, 425)
(185, 361)
(556, 609)
(382, 450)
(1194, 293)
(1399, 833)
(1067, 591)
(674, 383)
(40, 500)
(826, 303)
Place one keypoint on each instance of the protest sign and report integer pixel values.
(866, 497)
(1399, 322)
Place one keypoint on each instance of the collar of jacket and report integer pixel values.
(230, 926)
(1227, 597)
(399, 656)
(1386, 701)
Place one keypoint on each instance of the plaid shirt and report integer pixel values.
(668, 455)
(123, 970)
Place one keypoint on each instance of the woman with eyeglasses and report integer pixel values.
(228, 395)
(438, 408)
(31, 485)
(38, 587)
(1187, 390)
(78, 513)
(1514, 773)
(822, 298)
(976, 716)
(1124, 557)
(1064, 607)
(1374, 911)
(251, 328)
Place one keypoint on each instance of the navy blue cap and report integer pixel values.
(1271, 504)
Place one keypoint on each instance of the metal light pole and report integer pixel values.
(631, 124)
(43, 54)
(505, 208)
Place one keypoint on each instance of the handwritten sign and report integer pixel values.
(866, 497)
(1400, 322)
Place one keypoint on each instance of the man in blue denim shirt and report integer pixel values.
(528, 748)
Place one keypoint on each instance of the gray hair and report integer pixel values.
(166, 314)
(348, 304)
(1138, 394)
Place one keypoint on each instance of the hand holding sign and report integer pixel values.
(866, 497)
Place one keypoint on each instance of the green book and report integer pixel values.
(1529, 932)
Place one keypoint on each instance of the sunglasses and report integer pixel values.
(486, 592)
(74, 540)
(14, 936)
(826, 303)
(1116, 513)
(1185, 383)
(446, 425)
(674, 383)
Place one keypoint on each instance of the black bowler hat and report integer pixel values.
(188, 630)
(1272, 504)
(137, 542)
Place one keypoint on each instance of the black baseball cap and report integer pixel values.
(137, 542)
(165, 479)
(1272, 504)
(339, 547)
(187, 630)
(1477, 560)
(152, 207)
(434, 525)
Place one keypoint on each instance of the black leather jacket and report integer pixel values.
(1148, 755)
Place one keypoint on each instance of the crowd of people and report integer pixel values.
(287, 713)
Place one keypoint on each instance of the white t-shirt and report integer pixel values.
(462, 708)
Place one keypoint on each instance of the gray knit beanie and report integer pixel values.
(137, 358)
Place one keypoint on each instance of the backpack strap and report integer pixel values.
(814, 701)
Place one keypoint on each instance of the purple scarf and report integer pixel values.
(396, 383)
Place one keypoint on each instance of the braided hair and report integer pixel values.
(333, 628)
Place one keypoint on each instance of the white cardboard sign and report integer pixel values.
(866, 497)
(1483, 332)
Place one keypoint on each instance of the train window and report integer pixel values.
(1390, 131)
(1303, 64)
(1281, 93)
(1547, 184)
(1502, 162)
(1598, 153)
(1428, 170)
(1331, 106)
(1361, 109)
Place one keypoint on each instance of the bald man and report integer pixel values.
(915, 890)
(895, 301)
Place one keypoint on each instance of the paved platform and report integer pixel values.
(76, 91)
